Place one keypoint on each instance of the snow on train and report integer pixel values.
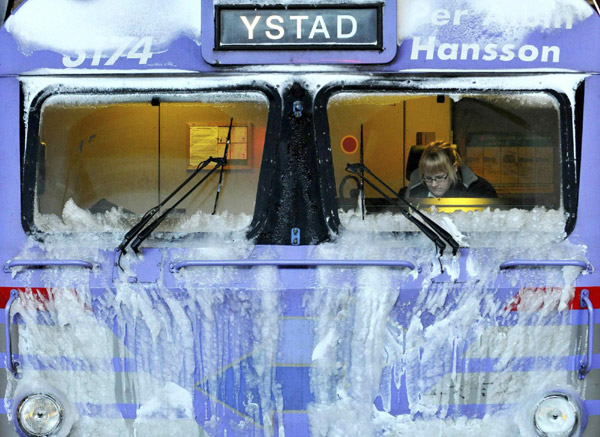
(224, 219)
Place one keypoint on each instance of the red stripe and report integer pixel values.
(594, 293)
(574, 304)
(37, 296)
(594, 297)
(5, 294)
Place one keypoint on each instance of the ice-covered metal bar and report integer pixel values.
(40, 263)
(175, 267)
(586, 364)
(10, 364)
(544, 263)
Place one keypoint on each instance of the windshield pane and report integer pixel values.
(479, 151)
(118, 159)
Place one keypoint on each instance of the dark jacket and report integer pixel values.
(468, 185)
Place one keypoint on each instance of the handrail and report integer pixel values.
(544, 263)
(40, 263)
(586, 364)
(175, 267)
(11, 365)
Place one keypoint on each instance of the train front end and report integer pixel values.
(209, 229)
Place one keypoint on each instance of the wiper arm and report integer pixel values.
(145, 233)
(223, 166)
(430, 228)
(133, 232)
(130, 235)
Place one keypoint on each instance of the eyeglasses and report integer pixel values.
(432, 179)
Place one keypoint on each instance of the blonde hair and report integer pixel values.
(440, 157)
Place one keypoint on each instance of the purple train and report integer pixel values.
(209, 227)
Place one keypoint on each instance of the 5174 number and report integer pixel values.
(138, 49)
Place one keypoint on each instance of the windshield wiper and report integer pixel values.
(223, 166)
(130, 235)
(142, 230)
(145, 233)
(430, 228)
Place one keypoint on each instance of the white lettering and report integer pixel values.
(352, 20)
(464, 51)
(458, 15)
(440, 17)
(569, 22)
(474, 52)
(508, 53)
(250, 26)
(417, 47)
(119, 52)
(298, 19)
(448, 52)
(533, 53)
(320, 27)
(97, 57)
(73, 63)
(271, 25)
(491, 52)
(555, 53)
(556, 22)
(146, 45)
(140, 49)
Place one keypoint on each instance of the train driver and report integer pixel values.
(441, 173)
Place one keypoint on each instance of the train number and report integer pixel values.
(136, 49)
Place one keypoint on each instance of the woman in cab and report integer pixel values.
(441, 173)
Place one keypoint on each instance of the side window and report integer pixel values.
(506, 149)
(120, 158)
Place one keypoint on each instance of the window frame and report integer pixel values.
(570, 146)
(30, 142)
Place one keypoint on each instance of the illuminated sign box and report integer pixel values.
(357, 27)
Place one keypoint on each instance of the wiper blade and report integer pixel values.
(130, 235)
(430, 228)
(145, 233)
(136, 231)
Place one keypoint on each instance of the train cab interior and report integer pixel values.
(131, 155)
(511, 140)
(105, 152)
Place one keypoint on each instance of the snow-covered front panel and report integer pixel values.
(103, 34)
(405, 34)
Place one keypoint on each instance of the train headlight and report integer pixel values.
(557, 415)
(40, 415)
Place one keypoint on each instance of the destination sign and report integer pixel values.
(294, 27)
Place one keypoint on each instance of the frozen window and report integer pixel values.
(127, 156)
(506, 148)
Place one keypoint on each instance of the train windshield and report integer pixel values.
(507, 149)
(101, 162)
